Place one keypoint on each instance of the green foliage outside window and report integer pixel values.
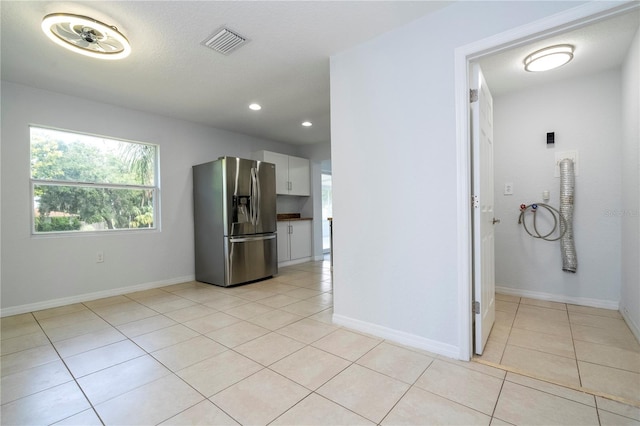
(88, 183)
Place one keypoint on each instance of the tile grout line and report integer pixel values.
(75, 380)
(573, 345)
(510, 330)
(561, 384)
(408, 389)
(495, 406)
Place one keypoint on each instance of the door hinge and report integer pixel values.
(473, 95)
(475, 202)
(476, 308)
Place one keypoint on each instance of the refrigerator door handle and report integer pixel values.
(253, 196)
(245, 239)
(258, 196)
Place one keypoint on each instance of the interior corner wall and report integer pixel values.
(46, 271)
(630, 211)
(585, 115)
(393, 146)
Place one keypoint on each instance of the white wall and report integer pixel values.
(585, 114)
(40, 272)
(630, 211)
(394, 163)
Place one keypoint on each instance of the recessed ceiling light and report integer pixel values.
(307, 123)
(548, 58)
(86, 36)
(255, 107)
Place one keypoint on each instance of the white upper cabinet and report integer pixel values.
(292, 173)
(299, 176)
(282, 169)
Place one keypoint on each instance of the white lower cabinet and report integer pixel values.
(283, 241)
(294, 240)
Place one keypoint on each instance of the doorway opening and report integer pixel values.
(327, 209)
(464, 56)
(534, 330)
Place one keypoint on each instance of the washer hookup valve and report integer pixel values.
(534, 207)
(523, 207)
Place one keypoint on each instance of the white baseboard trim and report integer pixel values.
(397, 336)
(54, 303)
(583, 301)
(635, 328)
(294, 262)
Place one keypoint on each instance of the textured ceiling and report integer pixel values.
(285, 66)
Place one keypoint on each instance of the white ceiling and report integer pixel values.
(599, 46)
(285, 66)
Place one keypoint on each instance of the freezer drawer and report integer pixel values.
(250, 258)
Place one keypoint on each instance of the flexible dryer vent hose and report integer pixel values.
(567, 187)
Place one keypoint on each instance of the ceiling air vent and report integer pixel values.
(224, 41)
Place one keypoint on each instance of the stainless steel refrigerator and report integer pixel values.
(234, 221)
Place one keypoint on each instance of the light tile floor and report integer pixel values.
(575, 345)
(268, 353)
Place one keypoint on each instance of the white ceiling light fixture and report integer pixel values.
(307, 123)
(86, 36)
(549, 58)
(255, 107)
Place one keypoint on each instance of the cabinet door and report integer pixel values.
(299, 176)
(282, 170)
(300, 239)
(283, 241)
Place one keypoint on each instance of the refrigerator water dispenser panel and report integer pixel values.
(241, 209)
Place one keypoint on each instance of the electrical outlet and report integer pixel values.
(508, 188)
(99, 257)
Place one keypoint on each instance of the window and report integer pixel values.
(82, 183)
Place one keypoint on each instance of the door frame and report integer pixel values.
(464, 55)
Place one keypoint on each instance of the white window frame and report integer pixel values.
(80, 184)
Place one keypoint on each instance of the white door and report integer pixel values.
(483, 209)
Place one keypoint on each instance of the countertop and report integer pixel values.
(286, 217)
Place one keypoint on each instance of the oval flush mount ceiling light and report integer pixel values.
(86, 36)
(255, 107)
(307, 123)
(548, 58)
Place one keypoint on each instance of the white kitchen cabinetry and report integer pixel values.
(292, 173)
(294, 241)
(283, 242)
(299, 176)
